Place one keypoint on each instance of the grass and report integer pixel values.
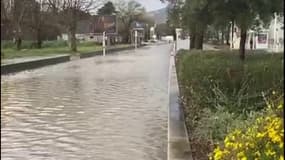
(49, 48)
(219, 91)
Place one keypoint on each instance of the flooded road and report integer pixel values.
(100, 108)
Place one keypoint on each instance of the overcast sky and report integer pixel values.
(151, 5)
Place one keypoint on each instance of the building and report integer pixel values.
(84, 33)
(266, 38)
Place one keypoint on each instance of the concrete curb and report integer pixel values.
(178, 142)
(21, 66)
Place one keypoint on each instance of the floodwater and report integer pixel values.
(101, 108)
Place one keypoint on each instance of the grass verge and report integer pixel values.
(220, 93)
(51, 48)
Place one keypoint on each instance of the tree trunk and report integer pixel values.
(223, 34)
(18, 37)
(18, 42)
(242, 43)
(39, 39)
(217, 36)
(72, 30)
(73, 46)
(228, 35)
(192, 41)
(199, 39)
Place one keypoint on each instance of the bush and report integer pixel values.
(32, 44)
(220, 93)
(7, 44)
(88, 44)
(263, 140)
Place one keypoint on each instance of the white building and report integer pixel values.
(267, 39)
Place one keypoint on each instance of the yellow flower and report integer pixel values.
(281, 145)
(218, 154)
(260, 135)
(257, 153)
(281, 158)
(269, 152)
(273, 92)
(241, 155)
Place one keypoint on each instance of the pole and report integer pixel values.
(274, 33)
(176, 41)
(103, 43)
(232, 28)
(136, 35)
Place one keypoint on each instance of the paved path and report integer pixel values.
(27, 59)
(101, 108)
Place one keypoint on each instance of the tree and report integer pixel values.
(36, 20)
(252, 11)
(14, 12)
(128, 12)
(67, 13)
(107, 9)
(163, 29)
(198, 14)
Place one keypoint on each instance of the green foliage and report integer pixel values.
(224, 80)
(220, 93)
(32, 44)
(7, 44)
(107, 9)
(47, 44)
(128, 12)
(262, 139)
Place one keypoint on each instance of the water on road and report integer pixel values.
(100, 108)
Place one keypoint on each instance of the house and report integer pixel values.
(266, 38)
(84, 32)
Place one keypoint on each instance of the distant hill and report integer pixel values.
(159, 16)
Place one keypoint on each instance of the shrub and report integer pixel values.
(220, 93)
(7, 44)
(263, 140)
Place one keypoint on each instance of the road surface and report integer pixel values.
(101, 108)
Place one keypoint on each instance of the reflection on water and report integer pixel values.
(105, 108)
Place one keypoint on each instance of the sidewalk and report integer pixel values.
(28, 59)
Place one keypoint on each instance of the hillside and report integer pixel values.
(160, 16)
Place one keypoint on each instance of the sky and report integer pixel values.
(151, 5)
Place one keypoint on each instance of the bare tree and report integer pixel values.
(66, 12)
(14, 12)
(36, 20)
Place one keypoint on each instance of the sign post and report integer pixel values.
(107, 25)
(178, 33)
(136, 37)
(103, 43)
